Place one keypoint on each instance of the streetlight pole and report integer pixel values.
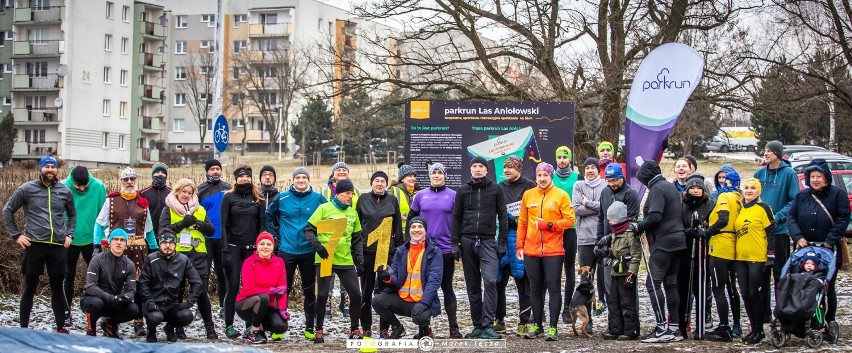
(279, 132)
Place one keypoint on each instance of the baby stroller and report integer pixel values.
(800, 298)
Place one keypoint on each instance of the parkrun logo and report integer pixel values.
(663, 83)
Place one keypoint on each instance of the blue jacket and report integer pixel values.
(430, 273)
(779, 187)
(516, 267)
(213, 205)
(292, 210)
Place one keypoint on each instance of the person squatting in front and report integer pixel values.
(347, 257)
(545, 214)
(110, 288)
(625, 250)
(478, 203)
(262, 301)
(163, 276)
(411, 283)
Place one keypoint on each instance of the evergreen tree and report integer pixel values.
(312, 127)
(8, 133)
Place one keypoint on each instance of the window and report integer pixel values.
(124, 43)
(105, 108)
(109, 9)
(105, 140)
(108, 42)
(237, 72)
(9, 35)
(205, 70)
(180, 100)
(107, 74)
(36, 101)
(179, 124)
(121, 142)
(269, 18)
(122, 109)
(269, 98)
(125, 13)
(267, 71)
(319, 24)
(239, 19)
(7, 68)
(2, 39)
(122, 78)
(239, 45)
(267, 45)
(37, 69)
(236, 98)
(206, 43)
(209, 124)
(210, 19)
(34, 135)
(7, 100)
(180, 47)
(180, 73)
(180, 21)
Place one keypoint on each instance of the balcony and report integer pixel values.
(34, 149)
(36, 116)
(35, 83)
(270, 30)
(39, 15)
(152, 30)
(151, 93)
(149, 124)
(37, 48)
(151, 61)
(273, 56)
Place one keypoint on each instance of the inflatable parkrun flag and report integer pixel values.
(520, 143)
(665, 80)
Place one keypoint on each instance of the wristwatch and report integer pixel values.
(549, 225)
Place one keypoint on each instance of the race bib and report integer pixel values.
(130, 226)
(185, 239)
(514, 209)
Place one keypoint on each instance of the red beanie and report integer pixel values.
(264, 235)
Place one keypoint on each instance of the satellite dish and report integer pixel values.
(152, 144)
(62, 70)
(58, 102)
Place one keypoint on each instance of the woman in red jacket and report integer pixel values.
(262, 301)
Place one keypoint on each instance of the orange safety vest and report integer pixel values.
(412, 289)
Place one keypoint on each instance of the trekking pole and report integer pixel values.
(702, 289)
(689, 296)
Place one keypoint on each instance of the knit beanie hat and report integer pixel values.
(563, 151)
(544, 167)
(301, 170)
(480, 160)
(437, 166)
(117, 232)
(605, 145)
(404, 171)
(378, 173)
(419, 220)
(695, 180)
(613, 171)
(776, 147)
(617, 212)
(513, 162)
(339, 165)
(692, 161)
(167, 235)
(80, 175)
(159, 166)
(127, 173)
(813, 256)
(268, 168)
(592, 161)
(210, 163)
(242, 170)
(48, 160)
(344, 185)
(262, 236)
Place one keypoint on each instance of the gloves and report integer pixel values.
(630, 283)
(124, 298)
(360, 269)
(703, 232)
(284, 315)
(691, 233)
(770, 260)
(419, 309)
(112, 299)
(604, 241)
(188, 220)
(321, 251)
(501, 249)
(456, 252)
(383, 274)
(184, 305)
(280, 290)
(543, 224)
(151, 306)
(601, 251)
(633, 227)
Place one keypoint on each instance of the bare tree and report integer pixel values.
(198, 88)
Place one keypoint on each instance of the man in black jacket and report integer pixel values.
(163, 275)
(666, 239)
(268, 191)
(110, 287)
(478, 203)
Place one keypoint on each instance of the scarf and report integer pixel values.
(339, 204)
(158, 182)
(213, 181)
(478, 181)
(410, 189)
(127, 196)
(592, 183)
(619, 228)
(243, 189)
(181, 209)
(693, 202)
(564, 172)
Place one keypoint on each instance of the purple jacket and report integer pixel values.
(435, 205)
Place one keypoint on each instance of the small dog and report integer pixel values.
(583, 295)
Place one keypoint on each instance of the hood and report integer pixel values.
(817, 165)
(726, 168)
(648, 171)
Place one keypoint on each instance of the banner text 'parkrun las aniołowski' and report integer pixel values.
(453, 133)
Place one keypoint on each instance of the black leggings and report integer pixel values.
(199, 262)
(238, 255)
(368, 284)
(214, 256)
(545, 272)
(523, 290)
(450, 301)
(72, 254)
(95, 308)
(662, 277)
(754, 280)
(172, 314)
(349, 281)
(307, 272)
(255, 310)
(569, 243)
(722, 274)
(57, 298)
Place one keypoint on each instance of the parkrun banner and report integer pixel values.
(663, 84)
(452, 133)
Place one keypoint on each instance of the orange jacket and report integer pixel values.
(538, 208)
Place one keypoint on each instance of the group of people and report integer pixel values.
(143, 246)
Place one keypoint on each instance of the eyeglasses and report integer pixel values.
(605, 150)
(128, 179)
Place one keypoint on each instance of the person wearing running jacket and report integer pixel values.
(374, 208)
(292, 208)
(262, 300)
(49, 222)
(267, 178)
(242, 213)
(339, 171)
(545, 214)
(513, 188)
(564, 178)
(210, 194)
(586, 197)
(157, 192)
(110, 288)
(780, 184)
(479, 242)
(89, 194)
(808, 221)
(435, 205)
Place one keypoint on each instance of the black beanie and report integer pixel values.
(379, 173)
(210, 163)
(480, 160)
(417, 219)
(268, 168)
(592, 161)
(80, 175)
(242, 170)
(344, 186)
